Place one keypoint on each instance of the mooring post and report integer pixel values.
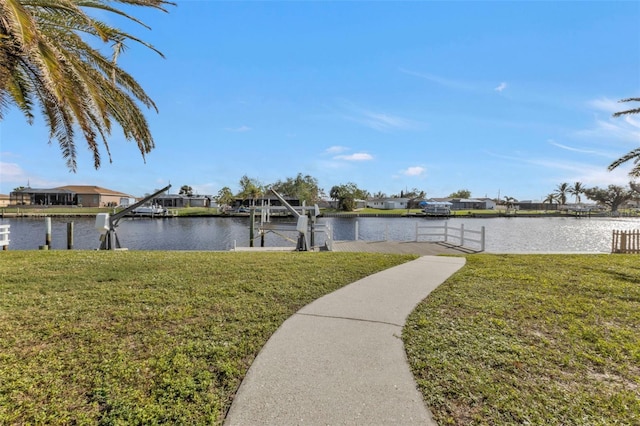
(47, 241)
(462, 235)
(446, 232)
(356, 230)
(312, 231)
(252, 224)
(70, 236)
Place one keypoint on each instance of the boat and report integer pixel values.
(150, 211)
(436, 208)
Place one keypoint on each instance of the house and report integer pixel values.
(535, 205)
(4, 200)
(387, 203)
(69, 195)
(468, 204)
(180, 200)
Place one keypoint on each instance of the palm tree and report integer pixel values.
(576, 190)
(509, 201)
(633, 154)
(51, 59)
(561, 193)
(550, 199)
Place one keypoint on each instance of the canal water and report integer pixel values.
(503, 235)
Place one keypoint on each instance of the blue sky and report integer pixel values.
(501, 98)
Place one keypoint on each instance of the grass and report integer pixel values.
(166, 337)
(90, 337)
(534, 339)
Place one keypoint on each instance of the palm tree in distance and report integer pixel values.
(633, 154)
(551, 198)
(576, 190)
(509, 202)
(561, 193)
(51, 59)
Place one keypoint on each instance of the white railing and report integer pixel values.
(445, 233)
(4, 236)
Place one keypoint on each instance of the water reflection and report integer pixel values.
(503, 235)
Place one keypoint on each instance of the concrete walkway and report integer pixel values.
(340, 360)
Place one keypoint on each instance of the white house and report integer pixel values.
(387, 203)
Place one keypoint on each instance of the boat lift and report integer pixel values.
(302, 226)
(107, 224)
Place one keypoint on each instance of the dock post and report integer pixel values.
(47, 241)
(252, 224)
(356, 238)
(70, 236)
(462, 235)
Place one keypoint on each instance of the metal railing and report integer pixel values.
(445, 233)
(442, 233)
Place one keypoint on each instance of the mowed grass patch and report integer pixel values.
(531, 339)
(89, 337)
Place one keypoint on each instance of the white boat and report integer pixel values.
(153, 210)
(436, 208)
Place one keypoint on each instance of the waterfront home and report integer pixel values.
(4, 200)
(181, 200)
(69, 195)
(387, 203)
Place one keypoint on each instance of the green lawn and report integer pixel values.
(89, 337)
(134, 337)
(533, 339)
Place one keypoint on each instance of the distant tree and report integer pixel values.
(461, 193)
(19, 188)
(250, 189)
(509, 201)
(186, 190)
(551, 198)
(347, 194)
(633, 154)
(414, 193)
(576, 190)
(379, 194)
(224, 197)
(561, 193)
(305, 188)
(613, 196)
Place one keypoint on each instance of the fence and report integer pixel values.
(4, 236)
(626, 242)
(445, 233)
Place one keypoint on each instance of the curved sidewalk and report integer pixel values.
(340, 360)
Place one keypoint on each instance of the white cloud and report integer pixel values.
(621, 130)
(336, 149)
(454, 84)
(358, 156)
(414, 171)
(385, 121)
(10, 172)
(582, 151)
(501, 87)
(380, 121)
(240, 129)
(605, 104)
